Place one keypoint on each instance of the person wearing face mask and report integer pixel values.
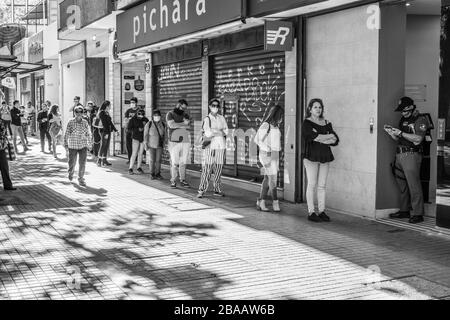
(106, 130)
(318, 135)
(43, 128)
(215, 130)
(129, 114)
(154, 134)
(77, 141)
(178, 122)
(136, 126)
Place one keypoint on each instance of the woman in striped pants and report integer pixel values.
(215, 129)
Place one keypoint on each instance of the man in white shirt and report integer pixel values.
(215, 130)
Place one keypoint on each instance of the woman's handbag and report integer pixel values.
(204, 139)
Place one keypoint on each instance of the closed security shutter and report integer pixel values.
(249, 83)
(179, 80)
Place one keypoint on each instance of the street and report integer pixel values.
(129, 237)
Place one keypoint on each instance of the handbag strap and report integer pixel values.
(267, 133)
(156, 126)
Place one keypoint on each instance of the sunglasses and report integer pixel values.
(78, 112)
(215, 105)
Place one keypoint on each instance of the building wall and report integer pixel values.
(95, 80)
(342, 69)
(73, 85)
(422, 68)
(52, 81)
(391, 89)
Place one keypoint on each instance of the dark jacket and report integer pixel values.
(136, 127)
(108, 125)
(15, 117)
(43, 125)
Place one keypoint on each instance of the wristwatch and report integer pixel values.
(401, 134)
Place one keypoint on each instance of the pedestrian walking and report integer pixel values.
(268, 139)
(5, 115)
(178, 122)
(55, 127)
(16, 126)
(136, 126)
(129, 114)
(318, 136)
(25, 123)
(154, 136)
(106, 129)
(215, 130)
(77, 141)
(4, 167)
(44, 127)
(408, 159)
(76, 103)
(95, 132)
(30, 112)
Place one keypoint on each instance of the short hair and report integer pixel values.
(310, 105)
(76, 98)
(78, 107)
(134, 99)
(156, 112)
(15, 101)
(214, 100)
(182, 101)
(3, 102)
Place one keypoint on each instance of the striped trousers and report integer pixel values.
(213, 160)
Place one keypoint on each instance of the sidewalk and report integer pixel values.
(128, 237)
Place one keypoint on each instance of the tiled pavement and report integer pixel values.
(126, 237)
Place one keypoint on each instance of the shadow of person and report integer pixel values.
(101, 192)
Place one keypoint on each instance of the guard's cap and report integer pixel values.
(405, 104)
(134, 99)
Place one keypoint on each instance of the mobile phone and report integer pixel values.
(386, 126)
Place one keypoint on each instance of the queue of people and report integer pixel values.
(91, 129)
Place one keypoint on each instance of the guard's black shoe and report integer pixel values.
(314, 217)
(399, 215)
(416, 219)
(10, 189)
(324, 217)
(106, 163)
(140, 170)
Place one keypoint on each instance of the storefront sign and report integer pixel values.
(36, 48)
(159, 20)
(76, 52)
(417, 92)
(278, 36)
(9, 83)
(76, 14)
(19, 50)
(265, 7)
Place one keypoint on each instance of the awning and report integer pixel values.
(9, 64)
(36, 13)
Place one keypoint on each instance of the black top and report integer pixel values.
(136, 127)
(108, 125)
(415, 124)
(313, 150)
(131, 112)
(15, 117)
(43, 125)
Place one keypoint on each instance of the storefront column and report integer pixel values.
(290, 119)
(148, 85)
(205, 85)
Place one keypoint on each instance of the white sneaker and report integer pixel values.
(276, 206)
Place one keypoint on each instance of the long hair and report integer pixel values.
(275, 115)
(54, 109)
(310, 105)
(105, 104)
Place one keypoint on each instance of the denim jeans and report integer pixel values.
(45, 134)
(155, 161)
(317, 174)
(138, 151)
(104, 145)
(82, 156)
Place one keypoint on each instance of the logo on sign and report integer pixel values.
(278, 36)
(9, 83)
(274, 35)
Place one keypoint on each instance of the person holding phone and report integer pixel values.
(408, 159)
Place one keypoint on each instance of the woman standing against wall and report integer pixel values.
(105, 132)
(268, 139)
(318, 135)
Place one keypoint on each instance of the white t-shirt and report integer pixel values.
(268, 141)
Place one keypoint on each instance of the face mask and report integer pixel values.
(156, 119)
(133, 105)
(214, 110)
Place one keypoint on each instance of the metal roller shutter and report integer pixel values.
(179, 80)
(255, 80)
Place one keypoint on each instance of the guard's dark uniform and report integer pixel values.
(408, 162)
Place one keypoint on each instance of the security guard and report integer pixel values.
(410, 136)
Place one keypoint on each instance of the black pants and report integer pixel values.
(44, 133)
(104, 145)
(129, 140)
(4, 167)
(8, 126)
